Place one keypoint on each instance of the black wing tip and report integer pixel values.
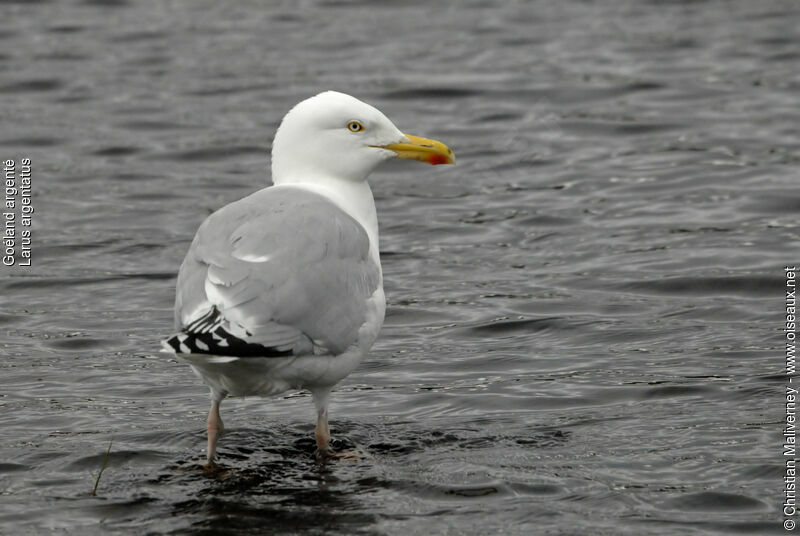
(207, 336)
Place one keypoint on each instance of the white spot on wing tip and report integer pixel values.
(222, 359)
(247, 257)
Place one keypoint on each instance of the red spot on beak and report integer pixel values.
(436, 159)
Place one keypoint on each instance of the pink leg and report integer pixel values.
(322, 432)
(215, 429)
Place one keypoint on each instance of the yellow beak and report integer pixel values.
(431, 151)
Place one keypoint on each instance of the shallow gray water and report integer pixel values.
(584, 323)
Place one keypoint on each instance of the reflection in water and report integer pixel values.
(284, 496)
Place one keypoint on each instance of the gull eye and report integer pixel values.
(355, 126)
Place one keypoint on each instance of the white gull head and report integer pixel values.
(335, 136)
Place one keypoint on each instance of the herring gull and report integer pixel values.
(283, 289)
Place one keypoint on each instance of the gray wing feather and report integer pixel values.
(285, 265)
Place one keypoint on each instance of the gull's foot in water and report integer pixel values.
(213, 469)
(354, 454)
(346, 452)
(321, 456)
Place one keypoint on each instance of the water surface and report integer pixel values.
(583, 329)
